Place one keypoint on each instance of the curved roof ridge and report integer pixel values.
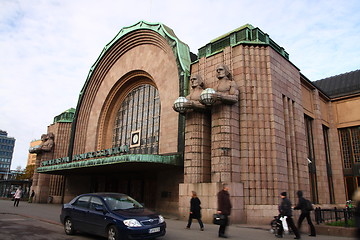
(182, 49)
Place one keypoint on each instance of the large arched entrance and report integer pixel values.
(127, 101)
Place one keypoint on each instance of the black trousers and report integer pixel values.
(190, 221)
(290, 223)
(306, 215)
(16, 202)
(222, 227)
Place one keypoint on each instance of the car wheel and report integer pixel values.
(113, 233)
(69, 227)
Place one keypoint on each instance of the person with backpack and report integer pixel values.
(306, 207)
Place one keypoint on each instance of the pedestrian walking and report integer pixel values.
(285, 211)
(17, 197)
(31, 196)
(224, 208)
(195, 211)
(305, 206)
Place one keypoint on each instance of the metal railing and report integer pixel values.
(333, 215)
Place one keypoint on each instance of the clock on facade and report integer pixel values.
(135, 138)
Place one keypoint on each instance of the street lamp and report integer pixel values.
(207, 97)
(179, 104)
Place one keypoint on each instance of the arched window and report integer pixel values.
(140, 110)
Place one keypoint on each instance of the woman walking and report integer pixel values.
(195, 211)
(17, 197)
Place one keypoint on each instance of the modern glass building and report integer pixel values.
(7, 145)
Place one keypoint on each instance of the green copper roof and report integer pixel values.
(180, 49)
(66, 116)
(249, 26)
(246, 34)
(174, 160)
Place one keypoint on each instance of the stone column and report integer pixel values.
(197, 148)
(41, 182)
(225, 144)
(36, 174)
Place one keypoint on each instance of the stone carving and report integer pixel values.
(197, 86)
(47, 143)
(191, 102)
(226, 89)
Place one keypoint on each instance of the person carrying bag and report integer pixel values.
(224, 209)
(218, 219)
(285, 210)
(306, 207)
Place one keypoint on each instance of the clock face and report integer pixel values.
(135, 138)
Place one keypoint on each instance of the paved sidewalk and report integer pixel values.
(47, 216)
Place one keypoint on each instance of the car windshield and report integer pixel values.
(121, 202)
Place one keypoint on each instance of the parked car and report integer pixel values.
(112, 215)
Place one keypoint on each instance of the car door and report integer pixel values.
(97, 216)
(79, 213)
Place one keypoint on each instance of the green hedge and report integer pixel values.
(351, 223)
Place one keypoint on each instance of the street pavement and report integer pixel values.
(31, 221)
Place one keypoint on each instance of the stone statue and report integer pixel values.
(47, 143)
(226, 89)
(197, 86)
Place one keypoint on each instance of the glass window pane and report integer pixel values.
(139, 110)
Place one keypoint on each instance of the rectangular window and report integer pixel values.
(346, 148)
(328, 164)
(350, 151)
(355, 139)
(311, 159)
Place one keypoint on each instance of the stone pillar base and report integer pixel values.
(207, 193)
(57, 199)
(41, 194)
(262, 214)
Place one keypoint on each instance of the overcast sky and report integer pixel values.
(48, 46)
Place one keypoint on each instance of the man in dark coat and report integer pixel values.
(305, 213)
(224, 208)
(285, 211)
(195, 211)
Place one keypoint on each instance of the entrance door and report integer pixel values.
(111, 184)
(150, 194)
(350, 187)
(142, 190)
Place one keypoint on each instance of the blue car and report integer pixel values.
(112, 215)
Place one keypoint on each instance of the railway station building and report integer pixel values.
(155, 121)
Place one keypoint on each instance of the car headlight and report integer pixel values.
(161, 219)
(132, 223)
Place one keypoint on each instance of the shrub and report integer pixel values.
(351, 223)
